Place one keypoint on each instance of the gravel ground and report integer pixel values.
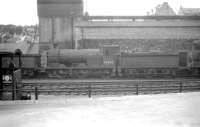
(160, 110)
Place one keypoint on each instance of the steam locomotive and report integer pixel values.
(110, 62)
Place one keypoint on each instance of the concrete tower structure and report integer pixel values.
(56, 19)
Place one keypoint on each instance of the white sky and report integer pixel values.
(24, 12)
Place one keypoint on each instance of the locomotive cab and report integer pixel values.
(111, 55)
(10, 76)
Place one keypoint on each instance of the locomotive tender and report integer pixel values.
(109, 62)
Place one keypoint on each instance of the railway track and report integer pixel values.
(110, 87)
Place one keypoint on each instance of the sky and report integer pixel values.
(24, 12)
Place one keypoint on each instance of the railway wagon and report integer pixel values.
(30, 64)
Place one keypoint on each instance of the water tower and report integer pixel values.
(56, 19)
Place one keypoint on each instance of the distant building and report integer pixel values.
(189, 11)
(162, 10)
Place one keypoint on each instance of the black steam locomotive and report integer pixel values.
(110, 62)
